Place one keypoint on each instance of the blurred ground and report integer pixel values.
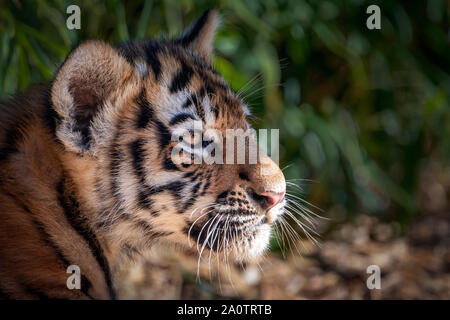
(413, 266)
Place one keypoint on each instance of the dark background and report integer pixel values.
(363, 116)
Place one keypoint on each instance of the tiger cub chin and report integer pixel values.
(88, 176)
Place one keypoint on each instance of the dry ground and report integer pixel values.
(413, 266)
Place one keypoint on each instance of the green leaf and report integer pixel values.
(144, 20)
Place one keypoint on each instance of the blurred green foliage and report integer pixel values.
(359, 110)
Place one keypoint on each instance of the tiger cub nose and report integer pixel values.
(271, 199)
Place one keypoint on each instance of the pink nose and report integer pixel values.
(272, 198)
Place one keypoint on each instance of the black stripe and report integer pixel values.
(10, 143)
(160, 234)
(164, 134)
(144, 199)
(196, 188)
(176, 188)
(195, 98)
(148, 230)
(137, 153)
(145, 110)
(198, 107)
(205, 188)
(215, 109)
(40, 227)
(130, 251)
(195, 29)
(198, 175)
(129, 51)
(47, 239)
(222, 196)
(190, 202)
(151, 50)
(115, 157)
(192, 99)
(212, 84)
(51, 117)
(181, 117)
(197, 232)
(190, 174)
(168, 164)
(182, 78)
(79, 224)
(146, 227)
(155, 235)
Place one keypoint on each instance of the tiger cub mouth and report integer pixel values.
(237, 225)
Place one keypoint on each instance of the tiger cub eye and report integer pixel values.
(192, 138)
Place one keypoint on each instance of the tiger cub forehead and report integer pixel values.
(184, 86)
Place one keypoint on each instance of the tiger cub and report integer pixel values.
(88, 176)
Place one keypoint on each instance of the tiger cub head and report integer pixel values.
(148, 117)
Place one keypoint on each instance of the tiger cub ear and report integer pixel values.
(199, 37)
(85, 91)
